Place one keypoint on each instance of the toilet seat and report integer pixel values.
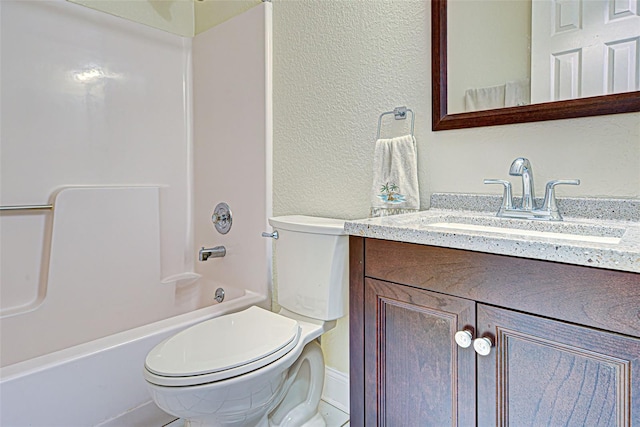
(222, 348)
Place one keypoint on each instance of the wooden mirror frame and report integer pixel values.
(582, 107)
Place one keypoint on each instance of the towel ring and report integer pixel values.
(399, 113)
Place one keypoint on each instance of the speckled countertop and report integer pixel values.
(608, 238)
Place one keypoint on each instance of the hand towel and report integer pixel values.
(485, 98)
(517, 92)
(395, 177)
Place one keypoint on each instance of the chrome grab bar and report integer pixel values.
(26, 208)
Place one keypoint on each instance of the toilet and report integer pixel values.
(256, 367)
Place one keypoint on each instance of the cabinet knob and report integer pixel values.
(464, 338)
(482, 346)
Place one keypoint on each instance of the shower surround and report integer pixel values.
(126, 130)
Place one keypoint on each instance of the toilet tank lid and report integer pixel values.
(309, 224)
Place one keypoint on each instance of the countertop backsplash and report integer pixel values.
(584, 207)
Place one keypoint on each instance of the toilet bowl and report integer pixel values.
(256, 367)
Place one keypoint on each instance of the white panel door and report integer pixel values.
(582, 48)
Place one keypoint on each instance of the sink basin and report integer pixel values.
(531, 233)
(572, 231)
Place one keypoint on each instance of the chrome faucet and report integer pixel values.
(528, 208)
(522, 167)
(217, 252)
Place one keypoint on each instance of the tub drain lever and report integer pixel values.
(219, 295)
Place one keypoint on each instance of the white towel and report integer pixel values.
(517, 92)
(395, 177)
(485, 98)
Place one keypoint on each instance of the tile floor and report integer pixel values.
(332, 415)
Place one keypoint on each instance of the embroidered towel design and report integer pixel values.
(395, 177)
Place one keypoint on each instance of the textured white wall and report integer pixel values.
(339, 64)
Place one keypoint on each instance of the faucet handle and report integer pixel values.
(555, 182)
(507, 198)
(550, 203)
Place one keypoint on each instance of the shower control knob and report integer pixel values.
(464, 338)
(482, 346)
(222, 218)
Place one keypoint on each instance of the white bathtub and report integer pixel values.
(99, 382)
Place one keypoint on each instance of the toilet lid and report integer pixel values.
(223, 343)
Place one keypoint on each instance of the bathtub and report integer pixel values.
(98, 383)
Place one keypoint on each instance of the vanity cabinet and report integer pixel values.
(565, 340)
(408, 344)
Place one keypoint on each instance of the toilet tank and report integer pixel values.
(312, 266)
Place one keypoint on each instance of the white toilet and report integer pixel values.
(255, 367)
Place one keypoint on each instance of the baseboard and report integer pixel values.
(336, 389)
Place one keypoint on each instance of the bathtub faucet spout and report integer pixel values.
(217, 252)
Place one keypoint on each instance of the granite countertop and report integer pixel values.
(608, 238)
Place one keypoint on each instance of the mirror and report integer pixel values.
(449, 100)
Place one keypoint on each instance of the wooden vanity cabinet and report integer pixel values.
(566, 340)
(399, 320)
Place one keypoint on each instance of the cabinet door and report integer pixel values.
(548, 373)
(415, 374)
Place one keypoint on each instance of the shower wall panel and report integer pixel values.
(90, 100)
